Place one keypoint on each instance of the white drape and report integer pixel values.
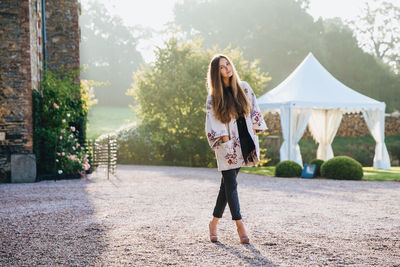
(323, 126)
(294, 122)
(375, 120)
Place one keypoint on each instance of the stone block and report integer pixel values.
(23, 168)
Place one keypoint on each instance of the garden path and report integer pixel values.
(148, 215)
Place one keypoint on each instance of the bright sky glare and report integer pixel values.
(156, 13)
(148, 13)
(344, 9)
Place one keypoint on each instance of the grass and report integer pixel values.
(370, 174)
(268, 171)
(104, 119)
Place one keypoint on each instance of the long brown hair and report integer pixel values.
(226, 106)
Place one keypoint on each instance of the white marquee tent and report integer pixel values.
(311, 96)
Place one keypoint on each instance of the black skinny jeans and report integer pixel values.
(228, 194)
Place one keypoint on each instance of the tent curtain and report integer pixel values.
(294, 122)
(323, 126)
(375, 120)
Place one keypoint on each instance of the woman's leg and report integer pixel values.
(222, 198)
(221, 201)
(228, 194)
(231, 194)
(218, 211)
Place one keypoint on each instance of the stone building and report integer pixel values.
(28, 40)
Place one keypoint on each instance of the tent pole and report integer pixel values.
(325, 133)
(290, 132)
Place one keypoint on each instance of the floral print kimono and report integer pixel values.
(229, 154)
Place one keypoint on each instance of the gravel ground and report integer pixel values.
(146, 216)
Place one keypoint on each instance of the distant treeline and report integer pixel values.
(277, 33)
(281, 34)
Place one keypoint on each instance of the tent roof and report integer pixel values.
(311, 85)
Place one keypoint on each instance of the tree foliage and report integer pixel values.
(356, 68)
(378, 31)
(281, 34)
(170, 96)
(109, 50)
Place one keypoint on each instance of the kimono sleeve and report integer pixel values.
(255, 113)
(214, 128)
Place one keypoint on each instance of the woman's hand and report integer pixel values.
(255, 131)
(225, 138)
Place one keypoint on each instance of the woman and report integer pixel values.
(233, 118)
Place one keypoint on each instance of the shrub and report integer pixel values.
(318, 163)
(272, 153)
(60, 113)
(288, 168)
(169, 96)
(264, 160)
(134, 146)
(342, 167)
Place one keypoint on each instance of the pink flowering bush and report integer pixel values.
(71, 157)
(60, 110)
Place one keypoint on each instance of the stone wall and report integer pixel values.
(63, 34)
(352, 125)
(21, 64)
(15, 82)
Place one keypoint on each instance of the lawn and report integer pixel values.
(104, 119)
(370, 174)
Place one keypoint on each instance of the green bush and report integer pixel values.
(318, 163)
(342, 167)
(288, 168)
(134, 146)
(169, 96)
(60, 113)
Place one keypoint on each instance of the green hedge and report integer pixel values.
(288, 168)
(342, 167)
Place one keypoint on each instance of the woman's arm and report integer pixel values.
(257, 119)
(216, 131)
(225, 138)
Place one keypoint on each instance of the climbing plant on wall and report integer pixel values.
(60, 110)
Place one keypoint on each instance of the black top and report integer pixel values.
(246, 142)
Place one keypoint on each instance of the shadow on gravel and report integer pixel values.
(49, 223)
(257, 259)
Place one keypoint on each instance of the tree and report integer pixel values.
(356, 68)
(170, 96)
(109, 49)
(278, 33)
(378, 31)
(281, 34)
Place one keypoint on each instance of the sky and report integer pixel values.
(156, 13)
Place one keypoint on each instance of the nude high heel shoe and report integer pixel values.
(243, 239)
(213, 237)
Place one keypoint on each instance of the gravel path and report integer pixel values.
(147, 216)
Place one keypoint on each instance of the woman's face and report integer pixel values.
(225, 68)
